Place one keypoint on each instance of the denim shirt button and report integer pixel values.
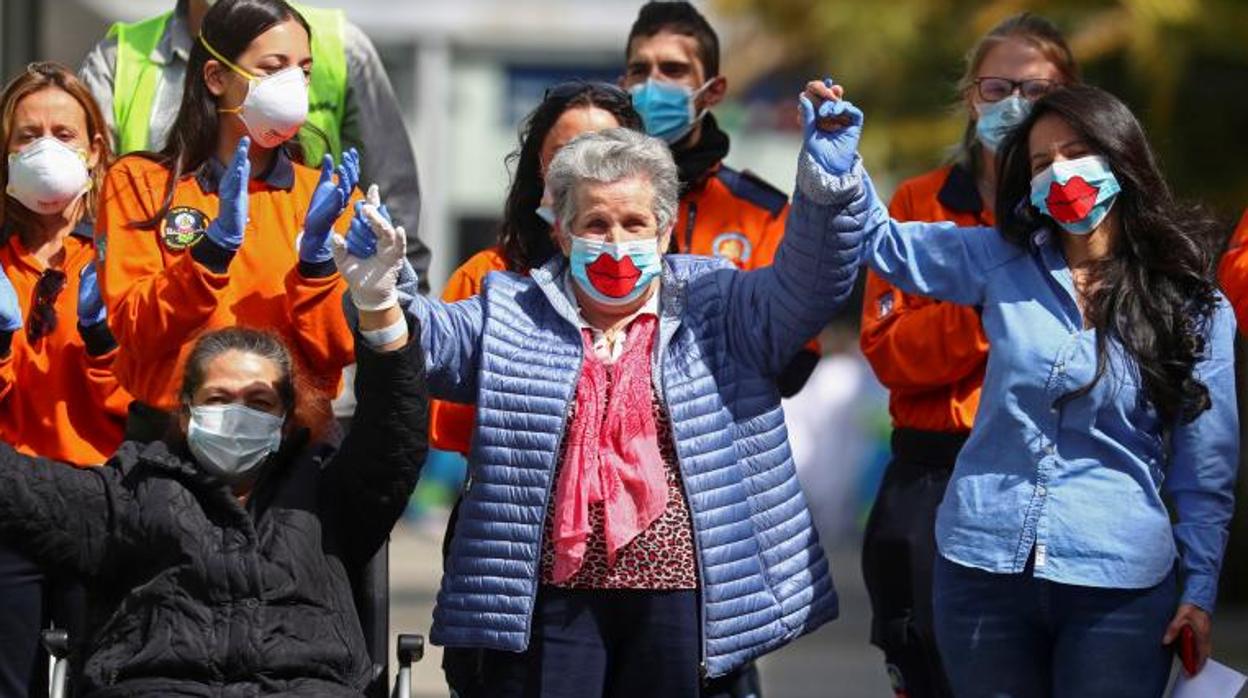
(1049, 450)
(1041, 490)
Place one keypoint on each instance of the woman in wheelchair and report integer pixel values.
(216, 560)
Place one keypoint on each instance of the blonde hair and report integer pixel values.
(1032, 29)
(41, 76)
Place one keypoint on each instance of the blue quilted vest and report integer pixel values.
(515, 351)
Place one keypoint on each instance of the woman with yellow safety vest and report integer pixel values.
(225, 226)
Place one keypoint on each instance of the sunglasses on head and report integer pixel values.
(42, 320)
(575, 88)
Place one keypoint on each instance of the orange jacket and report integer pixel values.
(929, 354)
(734, 215)
(58, 396)
(1233, 273)
(450, 423)
(166, 286)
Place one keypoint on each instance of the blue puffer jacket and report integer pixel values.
(724, 335)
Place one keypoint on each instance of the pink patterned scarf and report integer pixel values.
(612, 456)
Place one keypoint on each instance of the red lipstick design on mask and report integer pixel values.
(611, 277)
(1072, 201)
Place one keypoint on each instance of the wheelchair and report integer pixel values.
(371, 586)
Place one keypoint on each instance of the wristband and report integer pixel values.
(386, 335)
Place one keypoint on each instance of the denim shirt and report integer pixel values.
(1079, 483)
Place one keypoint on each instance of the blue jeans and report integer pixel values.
(1016, 636)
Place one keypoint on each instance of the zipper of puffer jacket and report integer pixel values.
(550, 486)
(693, 532)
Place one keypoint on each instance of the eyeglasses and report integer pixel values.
(575, 88)
(42, 319)
(997, 89)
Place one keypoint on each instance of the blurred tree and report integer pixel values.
(1181, 64)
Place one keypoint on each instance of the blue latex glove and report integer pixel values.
(361, 240)
(831, 136)
(227, 228)
(10, 309)
(329, 199)
(91, 311)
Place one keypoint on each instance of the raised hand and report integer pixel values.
(226, 230)
(329, 199)
(10, 309)
(831, 126)
(371, 257)
(91, 311)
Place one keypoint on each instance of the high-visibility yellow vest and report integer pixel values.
(136, 76)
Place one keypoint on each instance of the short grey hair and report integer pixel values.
(609, 156)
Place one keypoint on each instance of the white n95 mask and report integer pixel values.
(275, 106)
(47, 175)
(230, 441)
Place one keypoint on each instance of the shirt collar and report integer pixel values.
(85, 229)
(959, 192)
(175, 43)
(280, 175)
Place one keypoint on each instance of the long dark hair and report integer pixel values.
(1155, 292)
(523, 237)
(229, 27)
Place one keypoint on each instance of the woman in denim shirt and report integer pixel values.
(1109, 393)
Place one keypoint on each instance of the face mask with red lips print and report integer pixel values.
(615, 273)
(1078, 193)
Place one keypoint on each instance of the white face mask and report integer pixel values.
(47, 175)
(230, 441)
(275, 106)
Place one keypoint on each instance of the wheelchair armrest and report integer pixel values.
(56, 642)
(411, 648)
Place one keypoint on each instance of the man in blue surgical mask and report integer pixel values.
(672, 73)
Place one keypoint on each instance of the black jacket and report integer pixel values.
(193, 594)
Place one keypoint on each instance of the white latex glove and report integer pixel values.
(373, 280)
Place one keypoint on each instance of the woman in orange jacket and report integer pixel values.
(226, 226)
(58, 396)
(931, 355)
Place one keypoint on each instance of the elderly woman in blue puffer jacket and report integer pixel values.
(633, 522)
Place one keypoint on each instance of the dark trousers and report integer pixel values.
(1017, 636)
(28, 599)
(593, 644)
(460, 665)
(898, 554)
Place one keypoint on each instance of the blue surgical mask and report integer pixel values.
(1078, 193)
(615, 273)
(232, 440)
(666, 108)
(998, 119)
(545, 209)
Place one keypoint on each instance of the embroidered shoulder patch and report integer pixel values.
(183, 227)
(732, 246)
